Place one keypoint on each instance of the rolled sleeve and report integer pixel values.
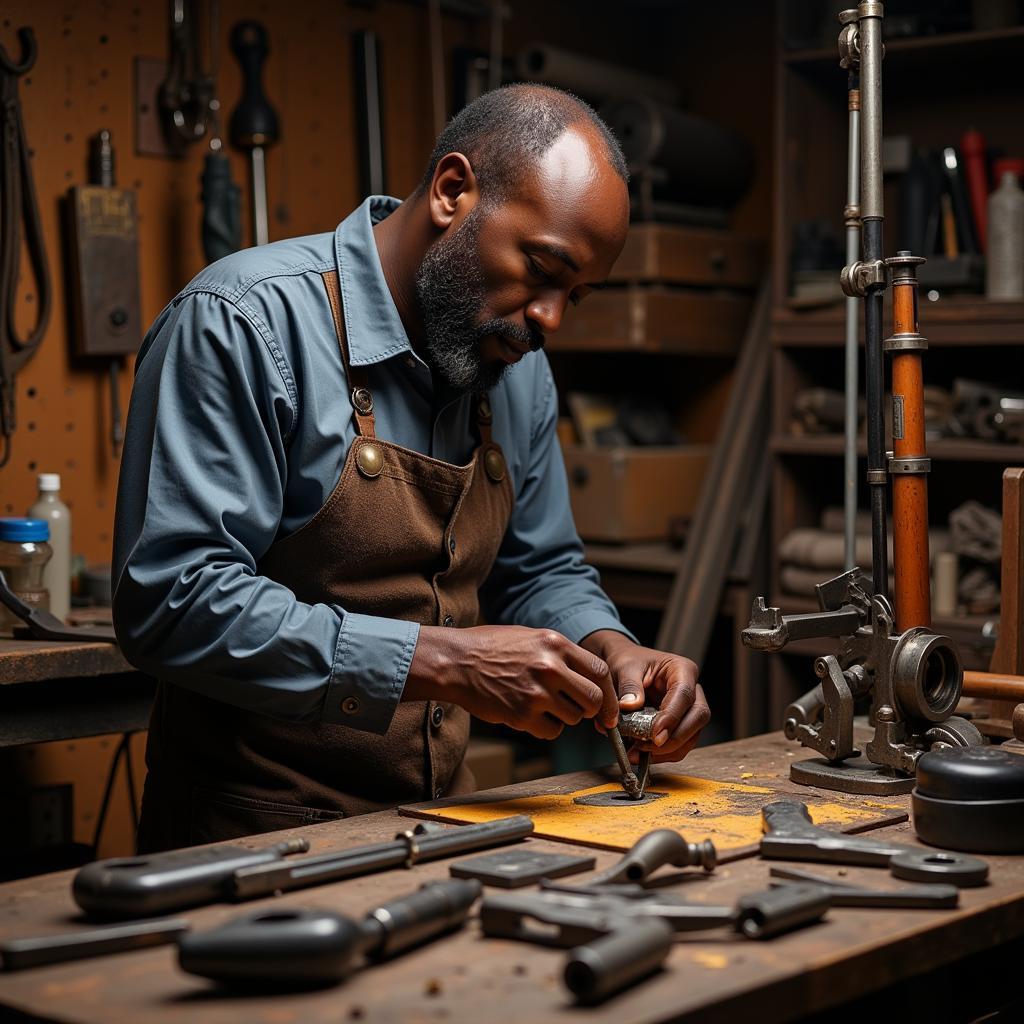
(370, 668)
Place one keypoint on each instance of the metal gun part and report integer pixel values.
(654, 850)
(407, 849)
(36, 951)
(125, 887)
(299, 948)
(789, 834)
(842, 894)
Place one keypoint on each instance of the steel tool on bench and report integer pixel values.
(620, 939)
(300, 948)
(132, 886)
(789, 834)
(913, 675)
(842, 894)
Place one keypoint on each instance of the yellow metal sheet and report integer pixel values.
(728, 813)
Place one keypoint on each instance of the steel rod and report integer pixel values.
(852, 325)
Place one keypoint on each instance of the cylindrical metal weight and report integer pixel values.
(706, 164)
(609, 964)
(927, 676)
(596, 79)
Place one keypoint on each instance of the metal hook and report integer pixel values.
(27, 38)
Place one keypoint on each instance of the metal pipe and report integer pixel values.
(870, 45)
(852, 217)
(993, 686)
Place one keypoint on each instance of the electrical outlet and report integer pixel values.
(50, 815)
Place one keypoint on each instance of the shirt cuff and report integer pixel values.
(371, 663)
(581, 622)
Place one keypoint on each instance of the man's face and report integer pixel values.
(498, 282)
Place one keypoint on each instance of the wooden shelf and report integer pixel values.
(952, 321)
(654, 556)
(947, 449)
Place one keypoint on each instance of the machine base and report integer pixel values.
(856, 775)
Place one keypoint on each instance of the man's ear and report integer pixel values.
(453, 191)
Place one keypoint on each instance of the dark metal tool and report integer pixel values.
(607, 965)
(842, 894)
(18, 206)
(299, 948)
(44, 625)
(789, 834)
(254, 124)
(517, 867)
(654, 850)
(36, 951)
(407, 849)
(122, 887)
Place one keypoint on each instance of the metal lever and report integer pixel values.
(841, 894)
(42, 625)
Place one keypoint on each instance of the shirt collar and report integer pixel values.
(373, 327)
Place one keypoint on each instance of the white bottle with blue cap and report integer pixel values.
(57, 575)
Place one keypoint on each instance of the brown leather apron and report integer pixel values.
(402, 536)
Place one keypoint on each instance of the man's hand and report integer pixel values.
(666, 681)
(531, 679)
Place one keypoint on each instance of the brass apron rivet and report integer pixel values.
(494, 465)
(370, 460)
(362, 399)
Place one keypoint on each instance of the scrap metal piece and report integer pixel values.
(599, 969)
(842, 894)
(663, 846)
(513, 868)
(791, 835)
(638, 725)
(616, 798)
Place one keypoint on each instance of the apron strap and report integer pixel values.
(360, 396)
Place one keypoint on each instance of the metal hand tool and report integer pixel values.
(44, 625)
(122, 887)
(254, 121)
(639, 725)
(607, 965)
(36, 951)
(654, 850)
(789, 834)
(406, 850)
(842, 894)
(18, 206)
(299, 948)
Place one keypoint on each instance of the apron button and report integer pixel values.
(350, 705)
(494, 465)
(437, 717)
(370, 460)
(448, 621)
(451, 545)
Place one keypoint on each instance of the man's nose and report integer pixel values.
(546, 312)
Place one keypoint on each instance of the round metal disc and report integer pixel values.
(617, 799)
(939, 866)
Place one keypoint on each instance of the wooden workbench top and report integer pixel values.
(32, 661)
(714, 977)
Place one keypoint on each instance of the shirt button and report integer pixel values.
(448, 621)
(451, 545)
(437, 717)
(350, 705)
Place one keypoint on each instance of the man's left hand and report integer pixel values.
(645, 677)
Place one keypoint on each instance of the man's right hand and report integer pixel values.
(530, 679)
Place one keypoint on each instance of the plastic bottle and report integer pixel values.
(1004, 279)
(57, 574)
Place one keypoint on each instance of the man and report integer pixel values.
(342, 446)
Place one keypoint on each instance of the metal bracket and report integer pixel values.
(915, 466)
(860, 277)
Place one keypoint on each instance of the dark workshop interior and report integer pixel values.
(496, 485)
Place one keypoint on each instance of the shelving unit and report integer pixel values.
(934, 88)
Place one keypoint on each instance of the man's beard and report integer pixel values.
(452, 296)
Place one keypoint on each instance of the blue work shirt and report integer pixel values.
(238, 429)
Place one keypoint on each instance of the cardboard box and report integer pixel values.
(633, 494)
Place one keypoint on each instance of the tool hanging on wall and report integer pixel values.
(104, 262)
(222, 211)
(186, 94)
(369, 111)
(914, 677)
(254, 124)
(17, 204)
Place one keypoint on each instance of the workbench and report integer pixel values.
(60, 690)
(889, 963)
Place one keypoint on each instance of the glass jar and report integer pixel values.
(24, 552)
